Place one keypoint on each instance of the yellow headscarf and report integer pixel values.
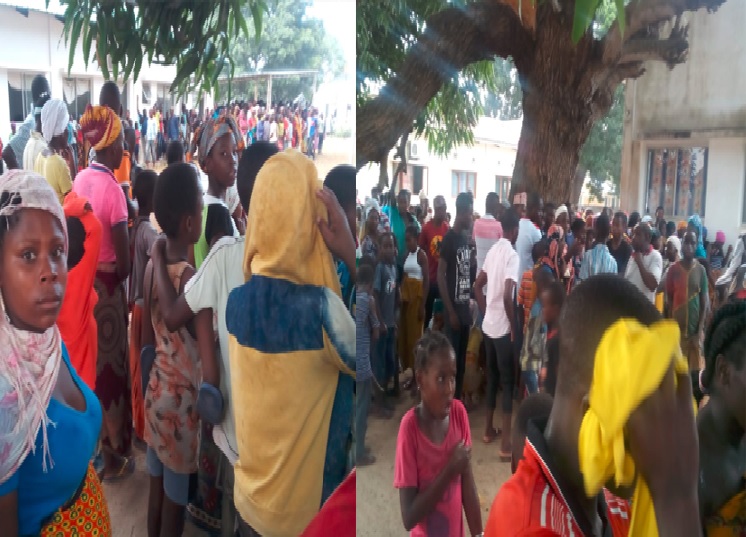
(101, 126)
(282, 233)
(630, 365)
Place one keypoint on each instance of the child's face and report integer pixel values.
(33, 270)
(437, 382)
(580, 235)
(372, 221)
(689, 246)
(617, 228)
(387, 249)
(549, 310)
(590, 236)
(221, 164)
(411, 242)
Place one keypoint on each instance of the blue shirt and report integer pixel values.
(71, 446)
(365, 320)
(173, 128)
(597, 261)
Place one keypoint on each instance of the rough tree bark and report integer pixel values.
(566, 86)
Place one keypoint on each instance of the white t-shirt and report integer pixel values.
(528, 235)
(501, 264)
(653, 263)
(219, 274)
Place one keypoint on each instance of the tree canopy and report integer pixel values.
(570, 57)
(194, 35)
(289, 40)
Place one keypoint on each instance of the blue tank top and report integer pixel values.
(72, 442)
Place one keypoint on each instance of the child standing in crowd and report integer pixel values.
(46, 486)
(414, 287)
(171, 419)
(532, 353)
(527, 292)
(577, 248)
(552, 298)
(686, 296)
(76, 321)
(367, 326)
(433, 451)
(217, 144)
(143, 237)
(387, 295)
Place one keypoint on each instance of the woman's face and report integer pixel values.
(221, 164)
(33, 270)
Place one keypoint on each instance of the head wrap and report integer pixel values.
(696, 221)
(100, 126)
(720, 237)
(290, 248)
(29, 362)
(646, 219)
(673, 239)
(562, 209)
(54, 119)
(370, 204)
(210, 132)
(681, 225)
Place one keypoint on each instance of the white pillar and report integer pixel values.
(4, 107)
(269, 92)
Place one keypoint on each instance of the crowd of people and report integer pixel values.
(139, 314)
(623, 338)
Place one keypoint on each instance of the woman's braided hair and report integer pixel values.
(726, 334)
(428, 344)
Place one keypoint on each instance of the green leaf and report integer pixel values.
(87, 38)
(257, 12)
(620, 14)
(584, 11)
(74, 35)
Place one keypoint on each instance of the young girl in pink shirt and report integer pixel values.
(433, 450)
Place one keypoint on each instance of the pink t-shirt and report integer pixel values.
(108, 202)
(418, 463)
(501, 264)
(487, 231)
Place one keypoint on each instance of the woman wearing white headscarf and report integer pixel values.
(51, 163)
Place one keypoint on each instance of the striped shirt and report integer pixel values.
(487, 231)
(365, 321)
(597, 261)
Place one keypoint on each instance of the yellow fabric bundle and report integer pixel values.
(631, 361)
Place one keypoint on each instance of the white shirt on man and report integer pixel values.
(653, 263)
(501, 264)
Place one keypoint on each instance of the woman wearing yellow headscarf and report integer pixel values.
(290, 333)
(102, 130)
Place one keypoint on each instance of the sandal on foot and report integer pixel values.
(491, 436)
(126, 470)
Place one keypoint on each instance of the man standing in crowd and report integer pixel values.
(152, 129)
(13, 152)
(454, 282)
(529, 232)
(431, 238)
(173, 127)
(487, 230)
(646, 264)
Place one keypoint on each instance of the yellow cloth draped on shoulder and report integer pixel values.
(631, 362)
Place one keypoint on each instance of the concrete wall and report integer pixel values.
(701, 103)
(34, 44)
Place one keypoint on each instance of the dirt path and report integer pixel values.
(378, 512)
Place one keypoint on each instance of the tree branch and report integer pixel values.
(454, 38)
(673, 50)
(644, 13)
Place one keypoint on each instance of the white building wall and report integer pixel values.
(34, 44)
(701, 103)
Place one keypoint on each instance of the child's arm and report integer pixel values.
(374, 322)
(470, 501)
(147, 336)
(206, 347)
(417, 504)
(174, 307)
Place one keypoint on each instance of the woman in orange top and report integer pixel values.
(76, 321)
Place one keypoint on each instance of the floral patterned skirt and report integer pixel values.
(86, 516)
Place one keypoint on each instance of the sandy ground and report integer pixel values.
(378, 512)
(128, 500)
